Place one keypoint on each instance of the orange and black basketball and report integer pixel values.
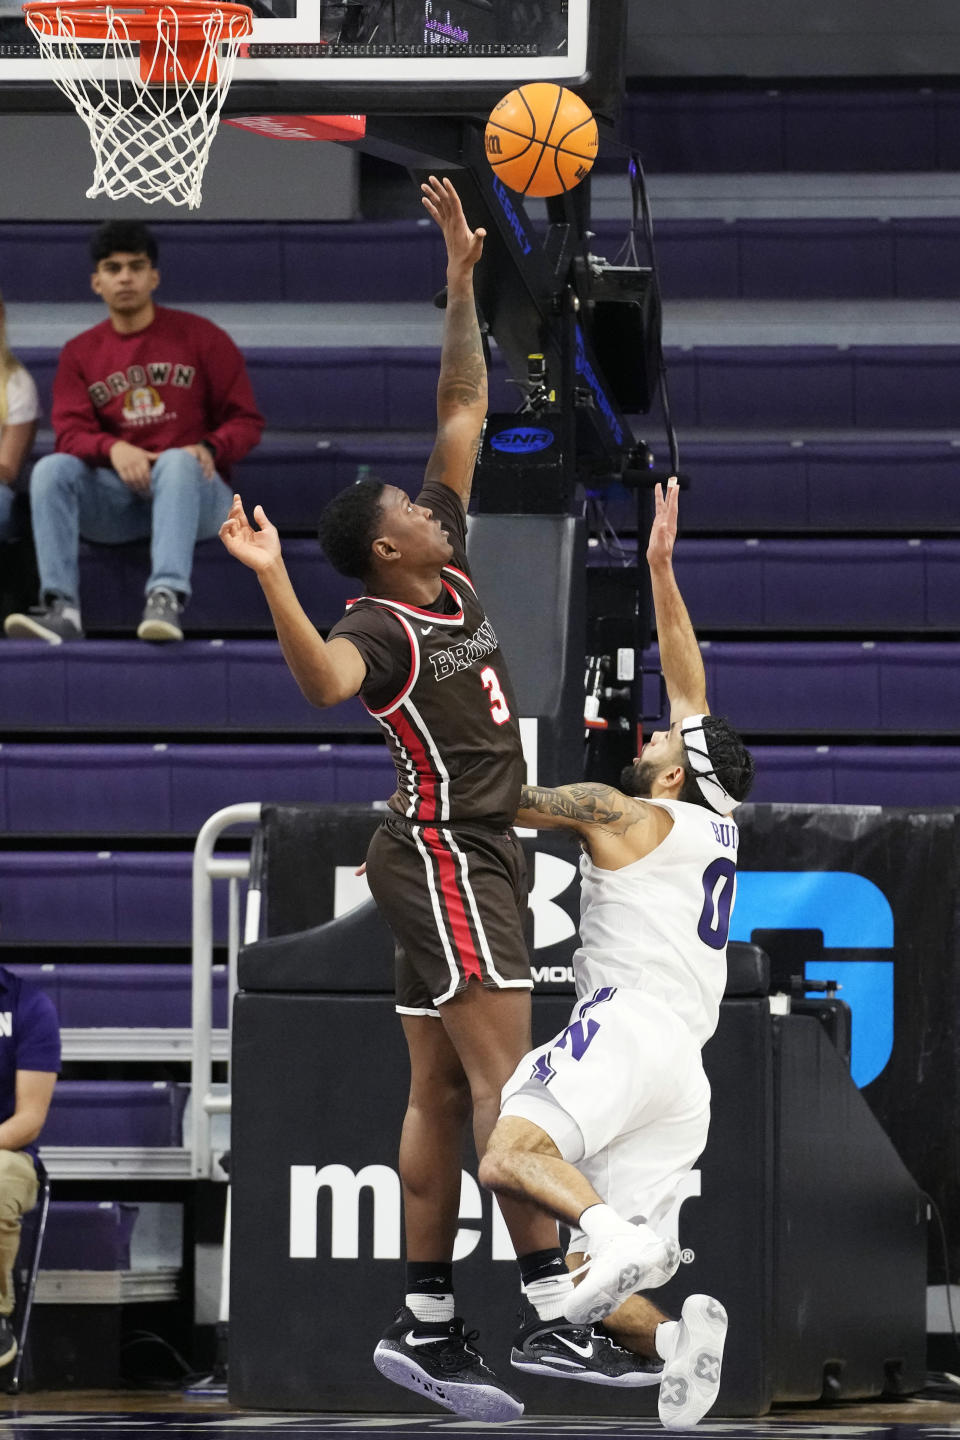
(541, 139)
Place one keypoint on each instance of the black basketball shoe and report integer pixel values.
(579, 1352)
(439, 1362)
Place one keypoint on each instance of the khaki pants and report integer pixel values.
(18, 1194)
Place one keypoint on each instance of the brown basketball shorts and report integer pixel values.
(456, 901)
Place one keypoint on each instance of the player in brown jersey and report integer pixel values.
(445, 868)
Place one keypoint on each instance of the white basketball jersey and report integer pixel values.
(660, 924)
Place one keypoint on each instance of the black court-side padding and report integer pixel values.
(800, 1216)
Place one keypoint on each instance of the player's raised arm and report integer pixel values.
(462, 389)
(326, 672)
(680, 658)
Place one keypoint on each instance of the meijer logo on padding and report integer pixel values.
(371, 1228)
(522, 440)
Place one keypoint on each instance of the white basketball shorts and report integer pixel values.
(623, 1095)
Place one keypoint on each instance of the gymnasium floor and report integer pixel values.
(130, 1416)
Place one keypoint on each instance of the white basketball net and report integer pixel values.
(149, 140)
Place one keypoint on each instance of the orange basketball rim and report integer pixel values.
(177, 38)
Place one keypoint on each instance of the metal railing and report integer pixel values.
(207, 867)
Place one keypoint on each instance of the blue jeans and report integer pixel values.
(6, 513)
(70, 499)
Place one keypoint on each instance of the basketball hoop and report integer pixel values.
(149, 81)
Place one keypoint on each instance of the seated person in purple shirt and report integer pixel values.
(29, 1064)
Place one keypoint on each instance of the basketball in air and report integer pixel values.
(541, 139)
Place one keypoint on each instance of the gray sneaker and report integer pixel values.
(161, 616)
(53, 623)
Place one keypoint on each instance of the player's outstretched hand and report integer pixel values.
(258, 548)
(663, 531)
(440, 199)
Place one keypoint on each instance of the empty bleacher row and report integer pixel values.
(896, 257)
(750, 585)
(834, 687)
(713, 387)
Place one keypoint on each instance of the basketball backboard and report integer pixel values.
(384, 56)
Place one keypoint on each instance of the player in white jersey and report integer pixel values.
(599, 1126)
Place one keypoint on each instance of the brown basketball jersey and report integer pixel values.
(448, 714)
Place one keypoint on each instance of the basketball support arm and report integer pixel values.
(533, 298)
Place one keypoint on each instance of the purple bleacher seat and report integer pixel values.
(920, 688)
(33, 692)
(93, 997)
(261, 693)
(694, 257)
(115, 1112)
(815, 584)
(126, 686)
(73, 897)
(764, 386)
(48, 263)
(744, 486)
(691, 131)
(294, 475)
(683, 383)
(356, 388)
(947, 108)
(85, 789)
(55, 896)
(227, 260)
(88, 1235)
(384, 260)
(842, 584)
(789, 774)
(892, 485)
(205, 779)
(878, 131)
(111, 789)
(926, 257)
(943, 584)
(914, 775)
(722, 583)
(822, 687)
(833, 686)
(203, 262)
(802, 259)
(734, 487)
(225, 596)
(908, 386)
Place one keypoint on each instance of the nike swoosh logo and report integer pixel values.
(585, 1350)
(411, 1339)
(427, 630)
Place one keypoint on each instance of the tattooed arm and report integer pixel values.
(577, 807)
(616, 829)
(462, 389)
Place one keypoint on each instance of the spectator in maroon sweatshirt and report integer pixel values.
(150, 410)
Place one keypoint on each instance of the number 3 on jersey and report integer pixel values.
(499, 708)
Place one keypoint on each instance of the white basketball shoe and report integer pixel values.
(691, 1376)
(636, 1258)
